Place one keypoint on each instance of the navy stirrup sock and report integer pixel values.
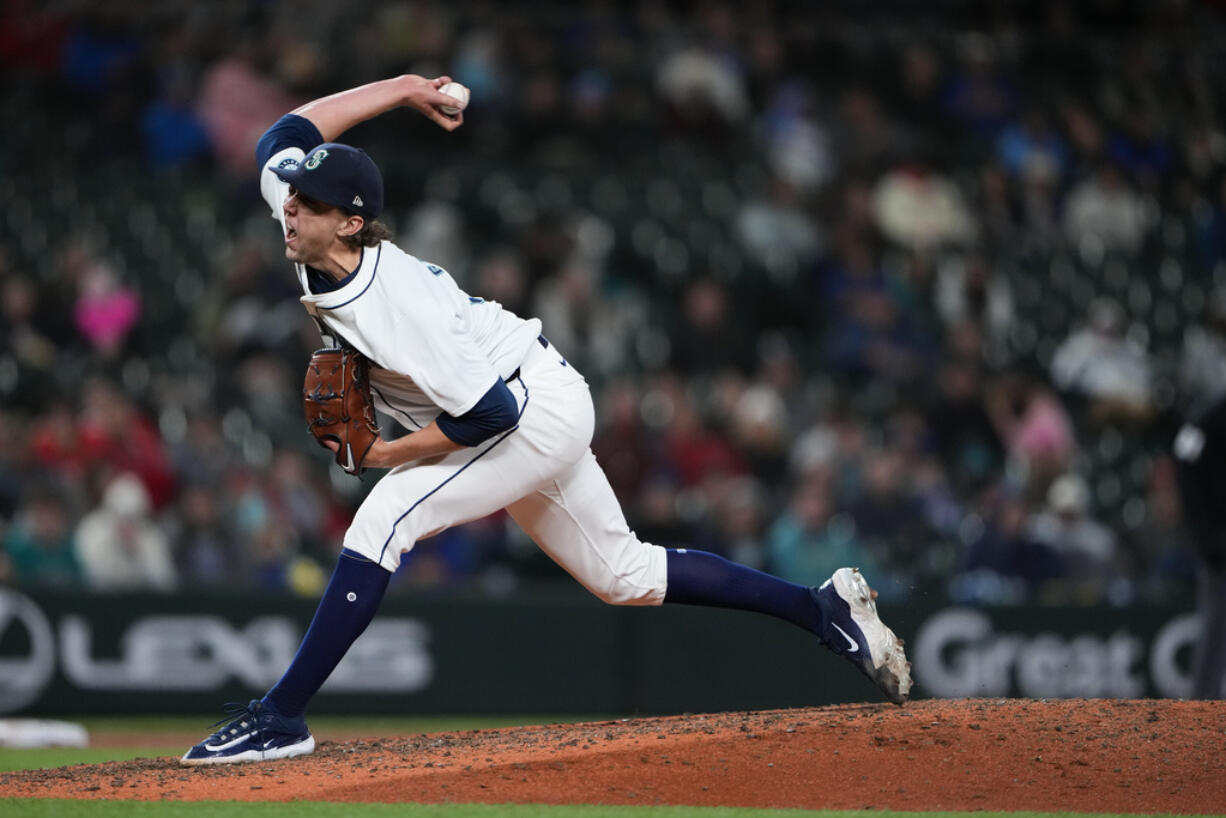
(347, 607)
(702, 578)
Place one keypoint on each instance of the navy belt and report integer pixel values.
(544, 342)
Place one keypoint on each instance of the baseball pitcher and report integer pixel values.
(499, 420)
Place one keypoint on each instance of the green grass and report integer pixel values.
(22, 808)
(38, 758)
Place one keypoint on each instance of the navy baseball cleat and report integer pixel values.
(252, 733)
(853, 630)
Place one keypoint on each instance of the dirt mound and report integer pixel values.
(1089, 756)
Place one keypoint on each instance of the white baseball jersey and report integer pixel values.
(439, 349)
(434, 346)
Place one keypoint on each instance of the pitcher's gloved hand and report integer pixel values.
(336, 399)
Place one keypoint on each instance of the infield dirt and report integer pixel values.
(976, 754)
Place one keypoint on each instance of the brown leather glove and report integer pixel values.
(336, 398)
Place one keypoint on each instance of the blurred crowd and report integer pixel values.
(922, 288)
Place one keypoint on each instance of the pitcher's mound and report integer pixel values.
(1078, 755)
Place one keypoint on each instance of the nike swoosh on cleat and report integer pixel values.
(852, 646)
(213, 748)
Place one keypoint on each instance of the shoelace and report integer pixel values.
(237, 717)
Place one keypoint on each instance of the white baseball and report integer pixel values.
(457, 92)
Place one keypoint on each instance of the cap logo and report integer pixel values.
(316, 158)
(357, 201)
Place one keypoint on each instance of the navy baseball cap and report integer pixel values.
(340, 175)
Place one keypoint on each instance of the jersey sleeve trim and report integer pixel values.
(290, 131)
(495, 412)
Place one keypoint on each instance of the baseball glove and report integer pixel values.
(336, 397)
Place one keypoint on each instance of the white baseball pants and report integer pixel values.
(543, 473)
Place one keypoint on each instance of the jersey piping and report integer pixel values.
(373, 272)
(457, 473)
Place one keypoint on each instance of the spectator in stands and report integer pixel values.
(1140, 148)
(1005, 562)
(918, 208)
(961, 428)
(115, 435)
(436, 229)
(1084, 133)
(969, 289)
(1103, 207)
(797, 146)
(622, 443)
(810, 536)
(252, 311)
(267, 386)
(102, 63)
(296, 498)
(697, 450)
(105, 310)
(1166, 548)
(275, 564)
(775, 231)
(202, 543)
(998, 204)
(39, 543)
(202, 454)
(39, 306)
(33, 351)
(599, 327)
(705, 92)
(758, 424)
(501, 275)
(917, 82)
(57, 446)
(709, 335)
(236, 101)
(1032, 147)
(1035, 427)
(979, 94)
(1101, 365)
(866, 138)
(889, 516)
(119, 546)
(942, 503)
(101, 49)
(1088, 549)
(656, 516)
(867, 334)
(735, 521)
(171, 131)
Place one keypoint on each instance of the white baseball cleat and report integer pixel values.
(853, 630)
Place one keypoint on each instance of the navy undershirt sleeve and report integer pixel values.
(290, 131)
(495, 412)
